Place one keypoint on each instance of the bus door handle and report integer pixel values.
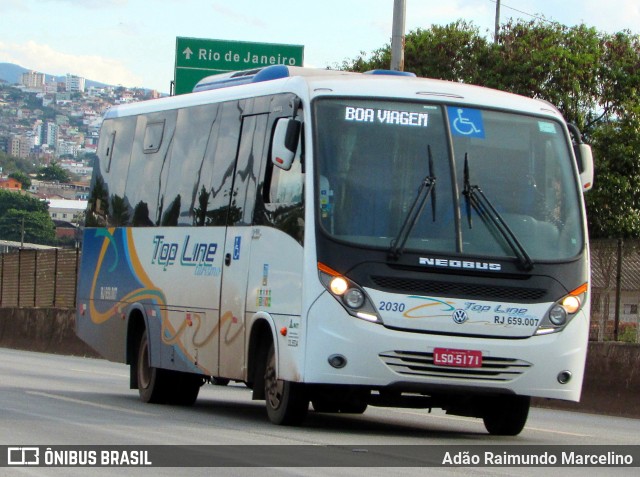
(227, 259)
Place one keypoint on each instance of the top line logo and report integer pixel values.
(168, 253)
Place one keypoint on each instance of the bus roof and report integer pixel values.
(313, 82)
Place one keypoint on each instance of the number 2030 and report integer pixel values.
(391, 306)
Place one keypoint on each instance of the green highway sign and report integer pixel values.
(197, 58)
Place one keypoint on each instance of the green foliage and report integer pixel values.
(38, 227)
(454, 52)
(12, 164)
(619, 73)
(627, 333)
(613, 205)
(54, 173)
(450, 52)
(24, 179)
(551, 62)
(12, 200)
(16, 210)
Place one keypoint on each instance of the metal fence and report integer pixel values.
(39, 278)
(615, 282)
(47, 278)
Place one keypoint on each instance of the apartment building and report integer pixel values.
(19, 146)
(33, 80)
(75, 84)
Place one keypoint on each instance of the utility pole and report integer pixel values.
(397, 35)
(616, 318)
(497, 24)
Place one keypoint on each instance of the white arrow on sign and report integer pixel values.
(187, 53)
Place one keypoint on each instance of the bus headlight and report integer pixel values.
(354, 298)
(338, 286)
(351, 296)
(571, 303)
(558, 315)
(563, 311)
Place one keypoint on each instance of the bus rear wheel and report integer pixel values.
(152, 382)
(287, 402)
(185, 388)
(163, 386)
(507, 415)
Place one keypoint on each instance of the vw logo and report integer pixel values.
(460, 316)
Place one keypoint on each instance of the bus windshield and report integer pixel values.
(373, 156)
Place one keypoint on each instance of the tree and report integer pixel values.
(16, 210)
(11, 164)
(54, 173)
(452, 52)
(21, 177)
(549, 61)
(613, 205)
(13, 200)
(37, 226)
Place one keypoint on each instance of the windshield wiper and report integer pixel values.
(485, 209)
(427, 188)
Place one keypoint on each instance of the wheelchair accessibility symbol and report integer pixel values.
(466, 122)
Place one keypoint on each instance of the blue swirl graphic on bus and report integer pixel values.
(112, 243)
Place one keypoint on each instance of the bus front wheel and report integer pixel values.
(287, 402)
(507, 415)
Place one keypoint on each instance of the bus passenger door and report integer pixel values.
(237, 252)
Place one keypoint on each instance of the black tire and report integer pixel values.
(287, 403)
(153, 383)
(507, 415)
(219, 381)
(353, 407)
(185, 388)
(163, 386)
(325, 405)
(346, 406)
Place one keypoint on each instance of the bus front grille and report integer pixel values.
(418, 364)
(458, 289)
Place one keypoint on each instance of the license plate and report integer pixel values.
(460, 358)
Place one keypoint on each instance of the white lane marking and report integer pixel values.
(102, 373)
(89, 403)
(574, 434)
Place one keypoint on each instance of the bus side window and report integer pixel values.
(282, 199)
(286, 187)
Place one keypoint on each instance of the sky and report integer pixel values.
(133, 42)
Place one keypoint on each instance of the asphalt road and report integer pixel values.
(53, 400)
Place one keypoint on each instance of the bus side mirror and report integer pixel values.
(285, 142)
(584, 156)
